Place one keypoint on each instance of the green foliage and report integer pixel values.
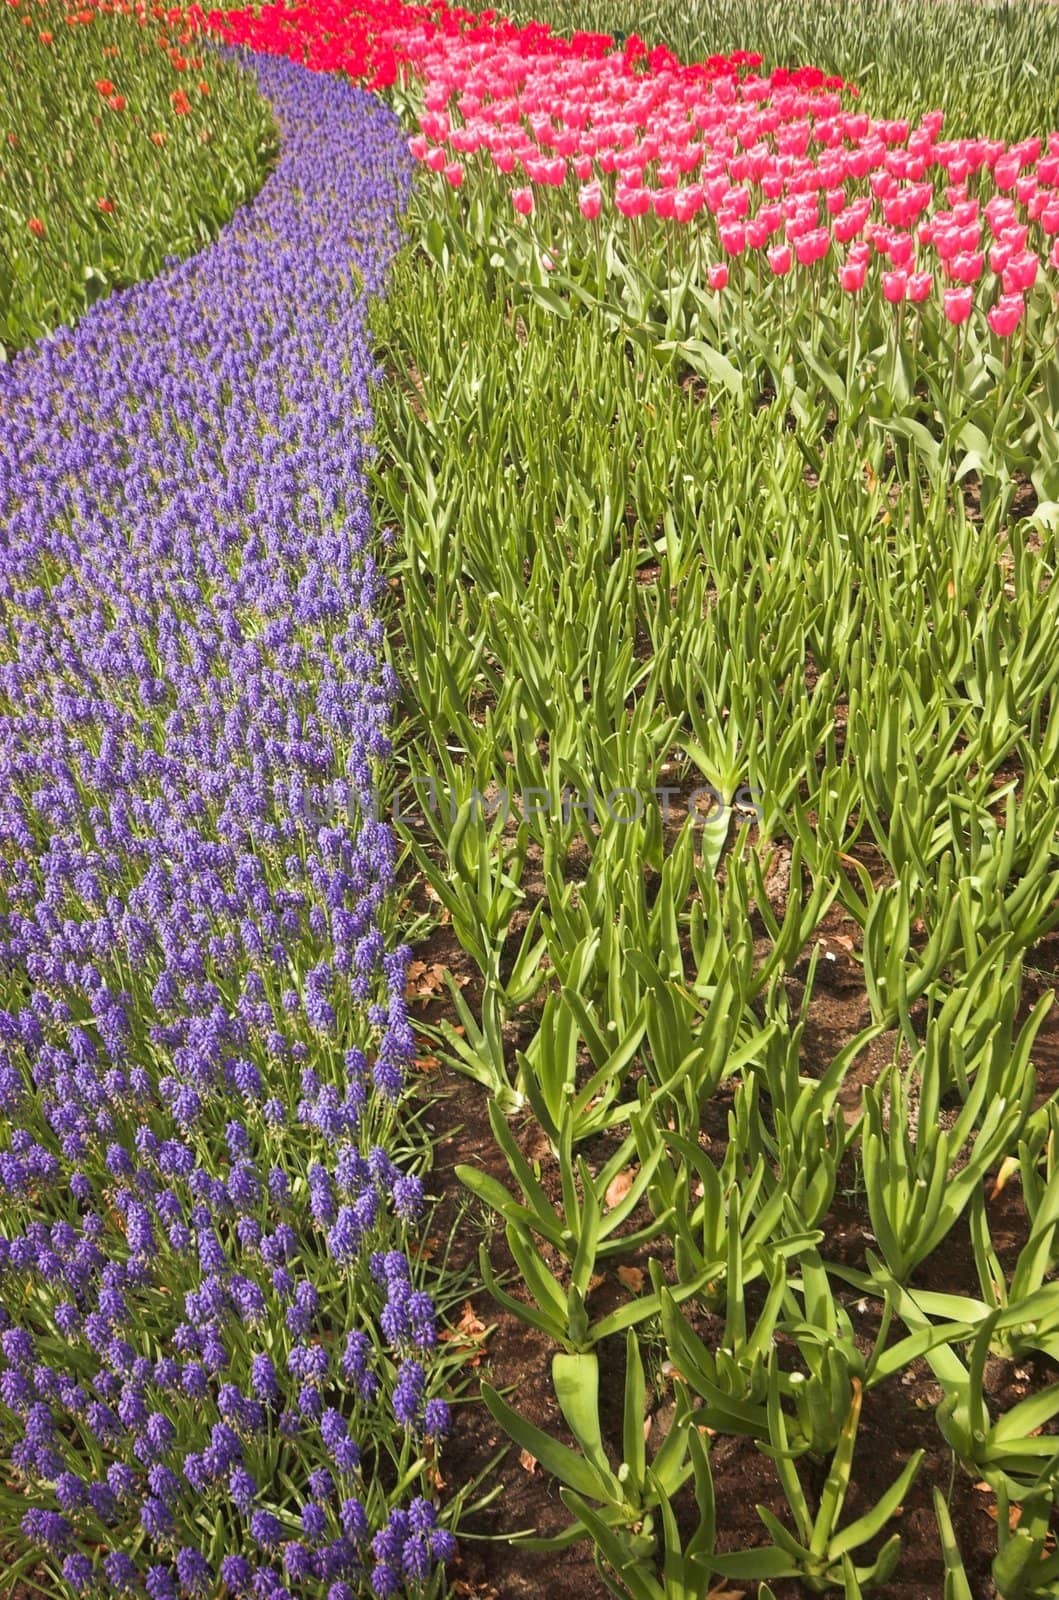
(727, 653)
(168, 178)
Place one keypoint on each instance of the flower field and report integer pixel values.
(529, 887)
(120, 144)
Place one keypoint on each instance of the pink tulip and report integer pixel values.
(582, 166)
(522, 200)
(1006, 315)
(688, 202)
(956, 304)
(919, 286)
(632, 201)
(1020, 272)
(894, 287)
(454, 174)
(418, 146)
(733, 237)
(717, 276)
(851, 276)
(813, 246)
(902, 249)
(590, 200)
(967, 268)
(435, 159)
(779, 259)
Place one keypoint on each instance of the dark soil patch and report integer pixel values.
(898, 1416)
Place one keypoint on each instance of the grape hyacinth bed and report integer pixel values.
(215, 1363)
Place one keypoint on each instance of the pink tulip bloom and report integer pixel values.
(894, 287)
(688, 202)
(632, 201)
(1006, 315)
(902, 249)
(1020, 273)
(851, 276)
(590, 200)
(733, 237)
(717, 276)
(956, 304)
(454, 174)
(813, 246)
(582, 166)
(967, 268)
(418, 146)
(779, 259)
(919, 286)
(522, 200)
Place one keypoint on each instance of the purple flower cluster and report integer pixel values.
(202, 1028)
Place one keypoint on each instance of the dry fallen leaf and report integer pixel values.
(619, 1187)
(632, 1278)
(470, 1324)
(469, 1333)
(527, 1462)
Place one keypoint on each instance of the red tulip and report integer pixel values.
(717, 276)
(36, 227)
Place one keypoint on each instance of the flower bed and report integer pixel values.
(121, 143)
(215, 1350)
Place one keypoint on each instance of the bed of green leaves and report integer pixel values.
(121, 143)
(782, 565)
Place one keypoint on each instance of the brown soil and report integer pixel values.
(898, 1416)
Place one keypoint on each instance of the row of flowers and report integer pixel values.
(780, 165)
(216, 1357)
